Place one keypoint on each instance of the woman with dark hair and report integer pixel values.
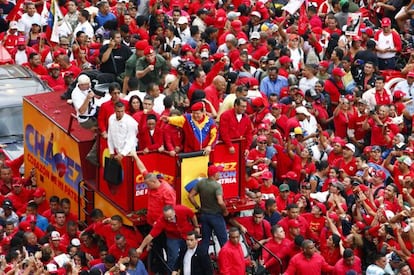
(134, 105)
(316, 180)
(80, 260)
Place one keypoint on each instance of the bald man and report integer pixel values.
(214, 92)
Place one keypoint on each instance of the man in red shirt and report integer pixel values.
(114, 226)
(285, 197)
(35, 64)
(214, 91)
(256, 228)
(175, 222)
(356, 132)
(268, 190)
(231, 258)
(293, 214)
(334, 86)
(347, 163)
(234, 124)
(108, 108)
(120, 248)
(54, 78)
(348, 262)
(198, 84)
(308, 262)
(280, 246)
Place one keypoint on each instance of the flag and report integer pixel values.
(57, 25)
(15, 13)
(44, 14)
(303, 19)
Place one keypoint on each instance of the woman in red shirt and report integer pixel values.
(341, 115)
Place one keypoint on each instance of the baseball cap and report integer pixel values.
(182, 20)
(233, 15)
(141, 45)
(350, 146)
(21, 41)
(13, 25)
(84, 79)
(262, 126)
(168, 79)
(376, 148)
(255, 35)
(284, 187)
(39, 192)
(293, 36)
(406, 160)
(204, 54)
(324, 63)
(256, 13)
(385, 22)
(261, 138)
(236, 25)
(302, 110)
(338, 72)
(213, 169)
(381, 174)
(7, 204)
(55, 236)
(410, 74)
(54, 66)
(148, 50)
(289, 175)
(267, 175)
(398, 94)
(294, 223)
(75, 242)
(322, 207)
(285, 59)
(258, 102)
(298, 131)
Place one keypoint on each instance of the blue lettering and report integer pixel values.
(228, 174)
(49, 155)
(28, 137)
(39, 144)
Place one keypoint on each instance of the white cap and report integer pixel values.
(51, 267)
(55, 236)
(302, 110)
(84, 79)
(233, 15)
(13, 25)
(204, 54)
(75, 242)
(175, 62)
(255, 35)
(168, 79)
(182, 20)
(230, 37)
(256, 13)
(241, 41)
(397, 120)
(350, 146)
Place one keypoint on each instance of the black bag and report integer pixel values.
(113, 171)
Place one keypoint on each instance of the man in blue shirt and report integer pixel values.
(273, 83)
(104, 13)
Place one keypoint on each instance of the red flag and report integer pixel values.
(303, 20)
(13, 14)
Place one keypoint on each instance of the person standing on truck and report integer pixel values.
(83, 99)
(108, 108)
(122, 136)
(212, 209)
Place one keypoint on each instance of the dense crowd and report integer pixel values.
(321, 93)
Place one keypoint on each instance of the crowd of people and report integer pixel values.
(327, 137)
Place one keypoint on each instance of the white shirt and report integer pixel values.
(200, 23)
(122, 134)
(187, 261)
(385, 42)
(159, 104)
(86, 27)
(309, 125)
(185, 35)
(20, 57)
(306, 84)
(407, 89)
(78, 98)
(27, 21)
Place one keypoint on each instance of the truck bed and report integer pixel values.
(60, 113)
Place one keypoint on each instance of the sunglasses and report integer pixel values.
(262, 142)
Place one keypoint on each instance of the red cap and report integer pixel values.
(17, 182)
(385, 22)
(356, 38)
(322, 207)
(410, 74)
(213, 169)
(148, 50)
(363, 187)
(68, 73)
(197, 106)
(381, 174)
(333, 216)
(262, 126)
(338, 72)
(290, 175)
(267, 175)
(21, 41)
(399, 94)
(58, 52)
(258, 102)
(186, 48)
(294, 223)
(261, 138)
(339, 140)
(277, 105)
(299, 91)
(31, 218)
(360, 225)
(285, 59)
(54, 66)
(141, 45)
(324, 63)
(160, 11)
(204, 47)
(350, 97)
(39, 192)
(236, 25)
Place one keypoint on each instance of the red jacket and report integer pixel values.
(178, 229)
(212, 95)
(173, 137)
(230, 128)
(231, 260)
(151, 142)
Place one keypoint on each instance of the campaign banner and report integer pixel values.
(353, 24)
